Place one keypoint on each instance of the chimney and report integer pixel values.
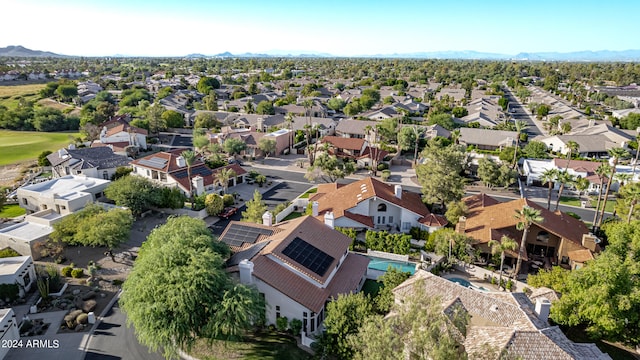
(543, 305)
(461, 226)
(198, 185)
(260, 124)
(246, 272)
(314, 208)
(329, 219)
(589, 241)
(267, 218)
(397, 190)
(180, 161)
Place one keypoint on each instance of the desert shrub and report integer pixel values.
(386, 174)
(228, 199)
(509, 285)
(70, 318)
(383, 166)
(9, 291)
(8, 252)
(77, 273)
(66, 271)
(282, 323)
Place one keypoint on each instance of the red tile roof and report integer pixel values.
(125, 128)
(339, 199)
(344, 143)
(287, 276)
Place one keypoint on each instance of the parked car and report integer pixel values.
(228, 212)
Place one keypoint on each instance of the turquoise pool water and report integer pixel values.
(383, 265)
(465, 283)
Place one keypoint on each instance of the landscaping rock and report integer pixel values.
(79, 327)
(89, 295)
(103, 295)
(76, 292)
(89, 305)
(82, 319)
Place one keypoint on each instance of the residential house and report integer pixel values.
(533, 169)
(95, 162)
(484, 111)
(325, 126)
(354, 149)
(456, 94)
(26, 237)
(387, 112)
(619, 114)
(298, 265)
(510, 324)
(485, 139)
(372, 204)
(9, 330)
(18, 270)
(354, 128)
(553, 240)
(64, 195)
(170, 169)
(118, 134)
(594, 141)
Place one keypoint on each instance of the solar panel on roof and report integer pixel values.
(154, 162)
(238, 234)
(308, 256)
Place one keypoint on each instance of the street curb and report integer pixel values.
(87, 339)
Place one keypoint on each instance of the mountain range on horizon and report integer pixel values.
(587, 55)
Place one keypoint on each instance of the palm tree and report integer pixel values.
(564, 178)
(455, 136)
(631, 192)
(527, 216)
(623, 178)
(520, 126)
(223, 176)
(308, 105)
(289, 121)
(505, 243)
(548, 177)
(581, 184)
(602, 171)
(189, 158)
(616, 154)
(418, 132)
(248, 107)
(571, 146)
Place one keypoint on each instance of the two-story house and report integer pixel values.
(96, 162)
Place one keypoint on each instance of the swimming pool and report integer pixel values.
(465, 283)
(383, 264)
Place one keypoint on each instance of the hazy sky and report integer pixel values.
(338, 27)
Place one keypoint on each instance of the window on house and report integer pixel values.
(44, 207)
(390, 219)
(305, 317)
(277, 312)
(63, 207)
(105, 175)
(543, 236)
(382, 207)
(406, 225)
(313, 323)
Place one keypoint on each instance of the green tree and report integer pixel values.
(392, 277)
(210, 102)
(572, 148)
(134, 192)
(455, 210)
(214, 204)
(416, 329)
(206, 84)
(173, 119)
(526, 217)
(329, 168)
(488, 171)
(267, 146)
(556, 278)
(542, 111)
(536, 149)
(345, 316)
(265, 108)
(549, 177)
(255, 209)
(499, 247)
(451, 244)
(336, 104)
(42, 158)
(520, 127)
(223, 176)
(444, 120)
(387, 129)
(234, 146)
(154, 117)
(206, 121)
(66, 92)
(616, 154)
(627, 200)
(459, 112)
(189, 158)
(178, 290)
(164, 92)
(440, 174)
(603, 171)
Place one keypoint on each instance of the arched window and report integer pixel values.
(382, 207)
(543, 236)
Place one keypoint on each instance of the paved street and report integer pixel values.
(113, 340)
(519, 111)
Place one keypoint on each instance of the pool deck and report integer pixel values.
(473, 280)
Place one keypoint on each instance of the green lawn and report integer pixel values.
(293, 215)
(566, 200)
(308, 193)
(261, 346)
(9, 211)
(11, 95)
(19, 146)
